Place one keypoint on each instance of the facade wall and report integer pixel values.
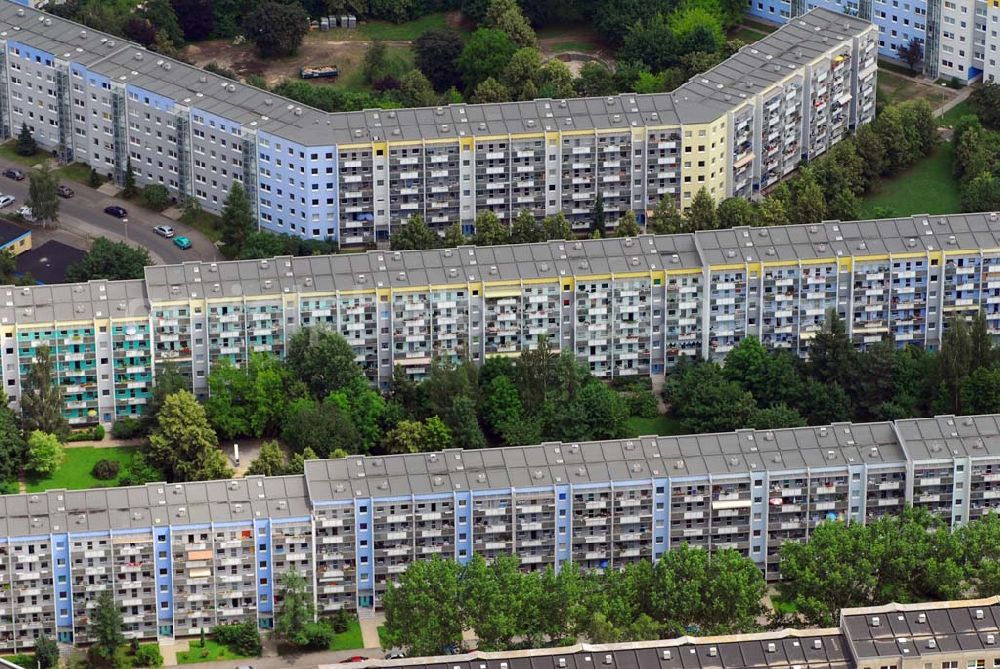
(357, 192)
(181, 577)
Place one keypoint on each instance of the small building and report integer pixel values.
(48, 263)
(14, 237)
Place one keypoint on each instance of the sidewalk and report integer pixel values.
(962, 96)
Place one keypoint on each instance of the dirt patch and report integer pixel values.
(315, 50)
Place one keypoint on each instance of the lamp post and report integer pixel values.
(125, 221)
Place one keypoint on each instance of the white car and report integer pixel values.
(25, 213)
(164, 231)
(6, 200)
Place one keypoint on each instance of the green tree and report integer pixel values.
(955, 360)
(270, 461)
(13, 448)
(832, 357)
(595, 80)
(808, 203)
(366, 408)
(414, 234)
(490, 230)
(486, 54)
(168, 381)
(453, 236)
(277, 29)
(526, 228)
(627, 225)
(980, 391)
(296, 613)
(129, 189)
(434, 53)
(155, 196)
(501, 404)
(322, 359)
(498, 592)
(183, 445)
(424, 612)
(42, 397)
(106, 629)
(911, 53)
(42, 198)
(506, 16)
(985, 102)
(735, 212)
(415, 90)
(651, 42)
(45, 454)
(320, 427)
(606, 411)
(110, 260)
(697, 29)
(463, 423)
(489, 91)
(771, 211)
(777, 416)
(195, 17)
(981, 193)
(598, 220)
(26, 144)
(412, 436)
(237, 220)
(705, 401)
(701, 214)
(162, 17)
(46, 652)
(666, 219)
(557, 227)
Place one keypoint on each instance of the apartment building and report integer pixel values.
(934, 635)
(622, 306)
(734, 130)
(180, 558)
(959, 38)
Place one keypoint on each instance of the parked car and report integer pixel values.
(164, 231)
(64, 191)
(182, 242)
(11, 173)
(395, 654)
(25, 213)
(6, 200)
(116, 211)
(356, 658)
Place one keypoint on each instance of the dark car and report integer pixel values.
(16, 175)
(116, 211)
(64, 191)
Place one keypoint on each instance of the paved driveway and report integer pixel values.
(84, 216)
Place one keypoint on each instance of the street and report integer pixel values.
(83, 217)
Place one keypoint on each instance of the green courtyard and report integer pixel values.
(74, 473)
(929, 187)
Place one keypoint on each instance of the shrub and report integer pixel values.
(148, 656)
(319, 635)
(242, 638)
(95, 433)
(156, 197)
(105, 470)
(127, 428)
(341, 620)
(139, 472)
(642, 403)
(24, 659)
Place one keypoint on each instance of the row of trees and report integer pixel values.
(976, 140)
(769, 389)
(507, 608)
(911, 557)
(320, 403)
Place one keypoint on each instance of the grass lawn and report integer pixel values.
(215, 652)
(952, 115)
(661, 425)
(77, 172)
(206, 223)
(349, 640)
(7, 152)
(74, 474)
(386, 31)
(781, 606)
(926, 188)
(748, 35)
(893, 89)
(563, 47)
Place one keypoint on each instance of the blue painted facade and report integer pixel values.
(364, 547)
(463, 526)
(298, 192)
(265, 574)
(150, 99)
(164, 580)
(898, 21)
(62, 579)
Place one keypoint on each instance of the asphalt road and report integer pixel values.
(83, 215)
